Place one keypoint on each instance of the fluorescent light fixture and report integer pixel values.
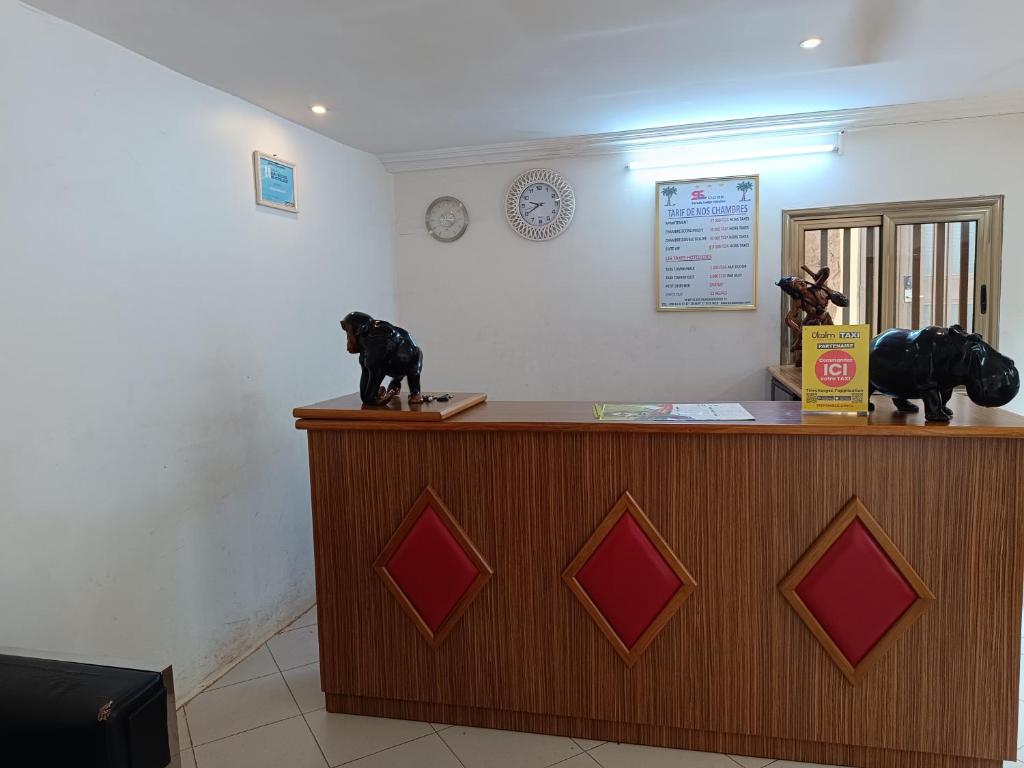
(811, 42)
(795, 129)
(318, 109)
(724, 151)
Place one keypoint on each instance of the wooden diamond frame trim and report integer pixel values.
(429, 498)
(627, 503)
(855, 509)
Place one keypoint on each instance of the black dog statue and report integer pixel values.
(927, 364)
(384, 350)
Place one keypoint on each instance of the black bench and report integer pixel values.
(63, 713)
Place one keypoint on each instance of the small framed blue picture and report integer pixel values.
(275, 182)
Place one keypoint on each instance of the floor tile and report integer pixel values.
(347, 737)
(295, 648)
(184, 742)
(227, 711)
(308, 619)
(440, 726)
(587, 743)
(188, 760)
(578, 761)
(287, 744)
(752, 762)
(259, 664)
(629, 756)
(486, 748)
(791, 764)
(426, 752)
(304, 683)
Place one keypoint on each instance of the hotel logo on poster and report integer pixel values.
(835, 367)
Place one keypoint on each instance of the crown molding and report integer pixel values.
(621, 142)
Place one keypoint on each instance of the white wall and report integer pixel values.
(574, 318)
(156, 329)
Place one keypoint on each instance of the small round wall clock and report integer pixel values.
(540, 204)
(447, 219)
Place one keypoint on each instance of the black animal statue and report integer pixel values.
(927, 364)
(384, 350)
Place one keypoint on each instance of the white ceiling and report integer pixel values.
(405, 75)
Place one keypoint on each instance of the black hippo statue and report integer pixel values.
(384, 350)
(928, 363)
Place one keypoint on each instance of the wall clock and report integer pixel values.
(540, 204)
(447, 219)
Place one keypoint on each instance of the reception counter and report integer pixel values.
(842, 590)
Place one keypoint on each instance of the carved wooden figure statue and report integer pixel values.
(811, 298)
(384, 350)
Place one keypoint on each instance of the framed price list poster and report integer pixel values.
(706, 243)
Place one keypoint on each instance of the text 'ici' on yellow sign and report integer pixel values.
(835, 367)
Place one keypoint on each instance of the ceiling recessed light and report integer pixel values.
(811, 42)
(320, 109)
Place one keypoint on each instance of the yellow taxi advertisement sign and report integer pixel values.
(835, 368)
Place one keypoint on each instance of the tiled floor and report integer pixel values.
(268, 712)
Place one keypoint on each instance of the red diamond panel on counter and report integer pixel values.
(855, 592)
(628, 579)
(432, 567)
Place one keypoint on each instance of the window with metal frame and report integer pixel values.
(903, 265)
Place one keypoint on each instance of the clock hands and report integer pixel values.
(535, 207)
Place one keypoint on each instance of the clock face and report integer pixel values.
(447, 219)
(540, 204)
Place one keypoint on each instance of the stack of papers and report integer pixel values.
(671, 412)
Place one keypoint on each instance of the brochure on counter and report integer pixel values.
(669, 412)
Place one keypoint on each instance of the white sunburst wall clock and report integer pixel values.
(539, 204)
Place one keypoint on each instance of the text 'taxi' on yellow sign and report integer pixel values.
(835, 367)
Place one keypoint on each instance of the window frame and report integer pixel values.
(987, 211)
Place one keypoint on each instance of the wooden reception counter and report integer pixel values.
(842, 590)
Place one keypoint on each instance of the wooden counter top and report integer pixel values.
(770, 417)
